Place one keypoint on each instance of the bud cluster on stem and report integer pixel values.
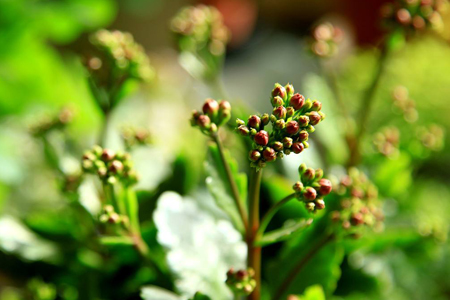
(292, 120)
(326, 39)
(311, 188)
(213, 115)
(241, 282)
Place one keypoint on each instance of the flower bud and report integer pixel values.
(310, 206)
(298, 186)
(213, 128)
(265, 119)
(262, 138)
(309, 174)
(319, 174)
(243, 130)
(278, 146)
(279, 91)
(303, 135)
(303, 121)
(97, 150)
(240, 122)
(297, 147)
(280, 124)
(403, 16)
(269, 154)
(107, 154)
(241, 274)
(224, 116)
(211, 107)
(277, 101)
(292, 127)
(280, 112)
(289, 90)
(224, 105)
(325, 186)
(116, 166)
(314, 118)
(357, 219)
(287, 142)
(316, 105)
(254, 155)
(290, 111)
(204, 121)
(308, 104)
(320, 204)
(309, 194)
(254, 122)
(297, 101)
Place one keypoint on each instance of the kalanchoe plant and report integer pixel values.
(201, 36)
(325, 40)
(214, 114)
(241, 282)
(358, 206)
(292, 120)
(414, 15)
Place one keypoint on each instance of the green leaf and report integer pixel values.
(217, 183)
(116, 240)
(290, 227)
(200, 296)
(393, 177)
(314, 292)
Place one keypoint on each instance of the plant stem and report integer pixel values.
(233, 186)
(270, 213)
(104, 131)
(254, 252)
(300, 264)
(365, 109)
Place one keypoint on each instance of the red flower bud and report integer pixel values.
(224, 105)
(314, 118)
(203, 121)
(116, 166)
(262, 138)
(254, 155)
(309, 174)
(290, 111)
(403, 16)
(303, 135)
(241, 274)
(269, 154)
(298, 186)
(107, 155)
(277, 101)
(309, 194)
(265, 119)
(320, 204)
(279, 91)
(357, 219)
(303, 121)
(292, 127)
(297, 147)
(210, 107)
(325, 186)
(254, 121)
(316, 105)
(297, 101)
(243, 130)
(280, 112)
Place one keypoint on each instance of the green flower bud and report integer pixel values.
(289, 90)
(301, 169)
(280, 124)
(319, 174)
(278, 146)
(290, 111)
(309, 174)
(308, 104)
(303, 121)
(310, 206)
(287, 142)
(277, 102)
(265, 119)
(240, 122)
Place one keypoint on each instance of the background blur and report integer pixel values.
(41, 238)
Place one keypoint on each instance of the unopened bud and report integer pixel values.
(310, 206)
(309, 174)
(290, 111)
(357, 219)
(277, 101)
(280, 112)
(204, 121)
(325, 186)
(297, 101)
(301, 169)
(303, 121)
(289, 90)
(265, 118)
(280, 124)
(116, 166)
(310, 194)
(210, 107)
(278, 146)
(254, 155)
(107, 154)
(320, 204)
(243, 130)
(403, 16)
(298, 186)
(269, 154)
(316, 105)
(240, 122)
(279, 91)
(287, 142)
(292, 127)
(319, 174)
(262, 138)
(314, 118)
(303, 136)
(297, 147)
(254, 122)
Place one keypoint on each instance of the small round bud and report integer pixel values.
(325, 186)
(243, 130)
(262, 138)
(278, 146)
(254, 122)
(287, 142)
(279, 91)
(240, 122)
(114, 218)
(292, 127)
(314, 118)
(310, 206)
(107, 155)
(269, 154)
(204, 121)
(253, 132)
(303, 136)
(290, 111)
(298, 186)
(210, 107)
(116, 166)
(316, 105)
(277, 101)
(241, 274)
(319, 174)
(320, 204)
(309, 174)
(280, 124)
(297, 101)
(309, 194)
(224, 105)
(289, 90)
(301, 169)
(308, 104)
(418, 22)
(357, 219)
(297, 147)
(280, 112)
(403, 16)
(265, 118)
(254, 155)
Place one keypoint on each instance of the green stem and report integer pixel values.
(104, 131)
(365, 109)
(254, 252)
(300, 264)
(233, 186)
(270, 213)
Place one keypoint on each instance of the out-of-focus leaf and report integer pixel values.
(290, 227)
(116, 240)
(217, 183)
(314, 292)
(393, 176)
(200, 296)
(200, 248)
(157, 293)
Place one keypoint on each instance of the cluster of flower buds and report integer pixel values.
(414, 15)
(432, 137)
(111, 167)
(387, 141)
(241, 281)
(214, 114)
(132, 136)
(403, 103)
(326, 39)
(121, 49)
(49, 123)
(199, 28)
(108, 215)
(293, 119)
(358, 203)
(311, 188)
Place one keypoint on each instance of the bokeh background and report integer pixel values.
(42, 239)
